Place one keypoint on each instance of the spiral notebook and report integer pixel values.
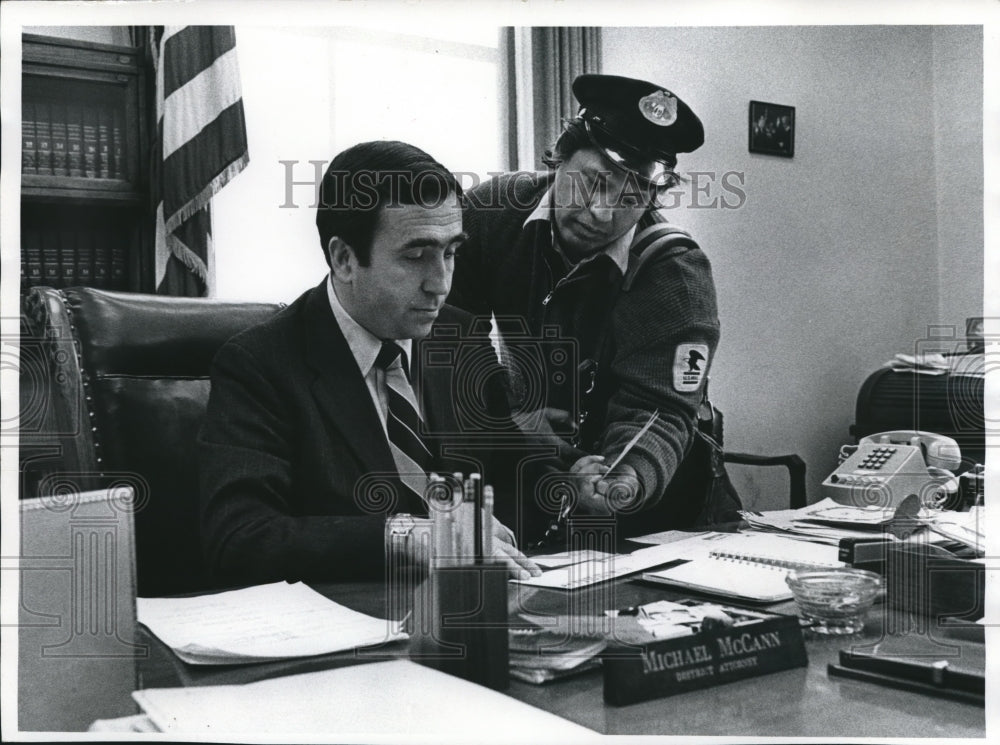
(748, 567)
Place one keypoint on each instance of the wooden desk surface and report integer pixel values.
(792, 703)
(795, 703)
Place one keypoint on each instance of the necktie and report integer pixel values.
(403, 423)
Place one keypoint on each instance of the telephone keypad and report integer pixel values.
(876, 458)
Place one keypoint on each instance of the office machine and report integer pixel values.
(889, 466)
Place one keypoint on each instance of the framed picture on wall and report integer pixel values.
(772, 129)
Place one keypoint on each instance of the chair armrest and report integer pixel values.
(796, 472)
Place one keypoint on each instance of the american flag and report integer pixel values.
(200, 144)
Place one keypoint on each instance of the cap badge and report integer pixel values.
(660, 108)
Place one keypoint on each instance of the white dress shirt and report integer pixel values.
(365, 347)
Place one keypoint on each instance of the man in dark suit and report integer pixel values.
(324, 421)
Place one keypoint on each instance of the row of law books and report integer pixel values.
(66, 258)
(59, 139)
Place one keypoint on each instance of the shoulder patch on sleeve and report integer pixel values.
(690, 363)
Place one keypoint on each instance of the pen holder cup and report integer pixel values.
(460, 623)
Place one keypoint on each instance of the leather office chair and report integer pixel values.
(792, 462)
(712, 423)
(796, 472)
(121, 398)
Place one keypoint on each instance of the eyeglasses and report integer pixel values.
(629, 158)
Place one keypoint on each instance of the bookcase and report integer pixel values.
(85, 207)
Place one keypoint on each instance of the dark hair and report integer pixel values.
(370, 176)
(574, 137)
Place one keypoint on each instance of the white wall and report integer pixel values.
(833, 263)
(264, 252)
(958, 153)
(309, 93)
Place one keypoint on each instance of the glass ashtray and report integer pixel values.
(835, 600)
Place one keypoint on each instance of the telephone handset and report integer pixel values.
(889, 466)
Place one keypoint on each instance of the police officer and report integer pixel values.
(585, 248)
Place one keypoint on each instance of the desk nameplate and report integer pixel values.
(708, 658)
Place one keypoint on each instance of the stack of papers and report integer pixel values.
(967, 528)
(931, 363)
(538, 655)
(926, 363)
(823, 522)
(829, 522)
(260, 624)
(382, 700)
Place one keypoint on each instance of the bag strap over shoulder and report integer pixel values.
(657, 241)
(653, 241)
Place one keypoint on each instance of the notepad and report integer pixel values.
(259, 624)
(748, 567)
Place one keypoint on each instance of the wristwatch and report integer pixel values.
(398, 529)
(400, 524)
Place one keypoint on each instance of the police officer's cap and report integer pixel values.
(633, 121)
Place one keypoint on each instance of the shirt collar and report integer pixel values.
(364, 345)
(542, 211)
(617, 251)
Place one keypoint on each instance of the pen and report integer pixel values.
(457, 525)
(634, 440)
(564, 503)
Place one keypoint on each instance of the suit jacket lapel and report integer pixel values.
(339, 388)
(440, 400)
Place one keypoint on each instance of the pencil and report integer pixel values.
(438, 510)
(466, 521)
(477, 520)
(488, 521)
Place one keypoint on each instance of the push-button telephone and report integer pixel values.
(888, 467)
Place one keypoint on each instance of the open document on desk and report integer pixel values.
(593, 568)
(696, 553)
(378, 699)
(259, 624)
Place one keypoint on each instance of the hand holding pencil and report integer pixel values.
(608, 488)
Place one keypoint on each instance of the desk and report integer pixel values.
(793, 703)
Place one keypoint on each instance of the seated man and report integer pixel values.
(321, 421)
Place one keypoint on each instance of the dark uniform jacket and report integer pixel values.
(296, 473)
(638, 340)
